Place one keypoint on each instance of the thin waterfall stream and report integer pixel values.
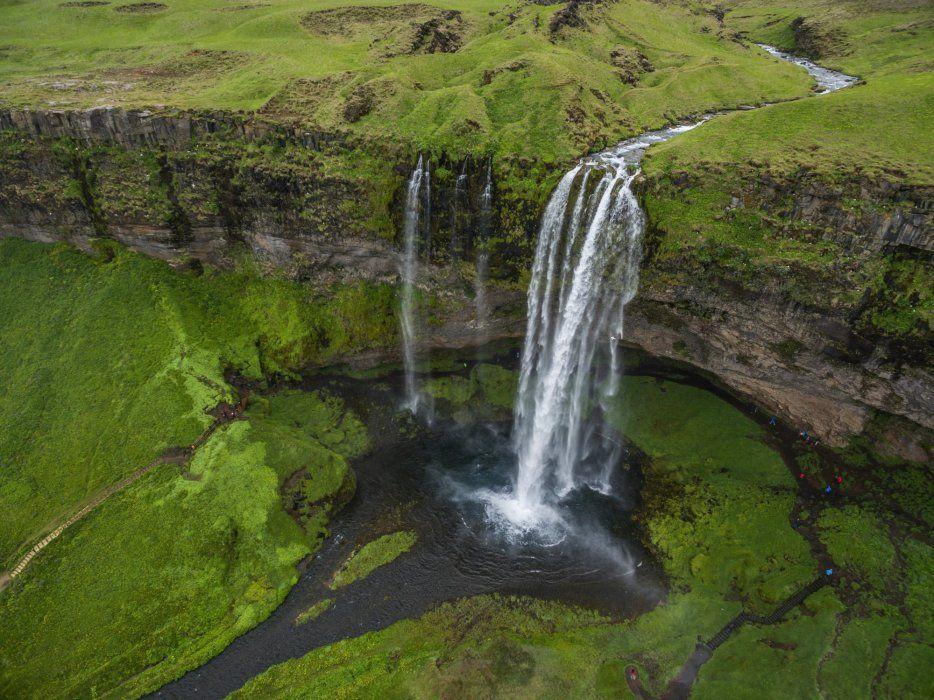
(482, 272)
(417, 216)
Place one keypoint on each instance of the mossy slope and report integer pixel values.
(106, 362)
(167, 573)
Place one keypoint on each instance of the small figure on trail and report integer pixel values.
(801, 475)
(828, 572)
(839, 479)
(773, 421)
(828, 489)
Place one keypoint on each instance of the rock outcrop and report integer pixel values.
(133, 128)
(796, 340)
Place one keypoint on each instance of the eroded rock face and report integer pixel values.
(815, 39)
(391, 30)
(132, 128)
(782, 357)
(632, 64)
(865, 216)
(795, 339)
(164, 193)
(571, 15)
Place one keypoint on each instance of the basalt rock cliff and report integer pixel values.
(807, 342)
(211, 187)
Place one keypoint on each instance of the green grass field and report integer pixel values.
(108, 362)
(512, 87)
(164, 575)
(105, 363)
(879, 129)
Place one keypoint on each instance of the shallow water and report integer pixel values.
(828, 80)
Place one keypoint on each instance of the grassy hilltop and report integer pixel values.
(464, 76)
(868, 147)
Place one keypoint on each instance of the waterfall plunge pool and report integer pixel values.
(424, 477)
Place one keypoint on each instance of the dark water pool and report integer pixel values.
(422, 477)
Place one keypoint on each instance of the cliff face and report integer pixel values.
(191, 187)
(210, 187)
(820, 344)
(198, 185)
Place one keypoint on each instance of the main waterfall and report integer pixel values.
(586, 271)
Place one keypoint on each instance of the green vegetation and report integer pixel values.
(875, 129)
(373, 555)
(717, 498)
(905, 677)
(106, 363)
(489, 78)
(856, 540)
(858, 653)
(314, 611)
(167, 573)
(473, 648)
(488, 391)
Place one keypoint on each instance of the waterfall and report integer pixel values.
(460, 195)
(585, 272)
(483, 253)
(417, 203)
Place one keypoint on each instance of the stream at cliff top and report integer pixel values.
(457, 485)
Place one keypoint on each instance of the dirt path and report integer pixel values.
(223, 413)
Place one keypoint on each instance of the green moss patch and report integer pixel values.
(373, 555)
(164, 575)
(857, 541)
(106, 363)
(313, 612)
(488, 391)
